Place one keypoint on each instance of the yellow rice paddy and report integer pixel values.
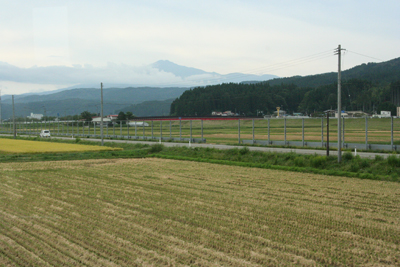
(24, 146)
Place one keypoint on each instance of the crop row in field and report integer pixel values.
(136, 212)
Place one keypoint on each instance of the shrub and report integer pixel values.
(243, 151)
(299, 162)
(156, 148)
(393, 161)
(365, 163)
(347, 156)
(378, 158)
(318, 161)
(354, 167)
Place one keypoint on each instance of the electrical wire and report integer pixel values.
(365, 55)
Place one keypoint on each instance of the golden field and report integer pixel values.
(24, 146)
(154, 212)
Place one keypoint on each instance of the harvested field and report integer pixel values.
(153, 212)
(25, 146)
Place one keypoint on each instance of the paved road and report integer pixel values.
(265, 149)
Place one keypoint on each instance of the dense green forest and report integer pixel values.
(263, 98)
(368, 87)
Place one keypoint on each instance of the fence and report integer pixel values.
(360, 133)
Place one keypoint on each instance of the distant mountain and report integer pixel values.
(75, 101)
(57, 107)
(178, 70)
(207, 78)
(121, 96)
(149, 108)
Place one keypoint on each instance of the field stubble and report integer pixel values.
(153, 212)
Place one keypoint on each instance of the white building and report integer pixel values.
(35, 116)
(138, 123)
(384, 114)
(97, 120)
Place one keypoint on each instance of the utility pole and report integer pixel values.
(14, 129)
(101, 114)
(338, 52)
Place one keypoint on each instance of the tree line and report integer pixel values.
(263, 98)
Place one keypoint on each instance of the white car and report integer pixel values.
(44, 133)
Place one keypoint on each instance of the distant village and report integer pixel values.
(344, 114)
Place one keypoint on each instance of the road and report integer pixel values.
(369, 155)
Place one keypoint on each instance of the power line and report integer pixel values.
(365, 55)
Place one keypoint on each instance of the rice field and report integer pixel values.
(25, 146)
(153, 212)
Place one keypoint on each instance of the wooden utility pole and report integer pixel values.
(101, 114)
(338, 52)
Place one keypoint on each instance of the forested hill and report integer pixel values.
(376, 73)
(250, 99)
(369, 87)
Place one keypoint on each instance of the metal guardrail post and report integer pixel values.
(253, 130)
(269, 137)
(180, 130)
(152, 130)
(190, 130)
(160, 130)
(343, 132)
(239, 131)
(302, 130)
(322, 132)
(391, 134)
(202, 131)
(284, 130)
(135, 130)
(366, 133)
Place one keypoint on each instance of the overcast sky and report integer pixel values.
(121, 38)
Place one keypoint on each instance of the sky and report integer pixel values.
(47, 45)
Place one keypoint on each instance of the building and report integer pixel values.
(97, 120)
(355, 114)
(384, 114)
(344, 114)
(112, 117)
(35, 116)
(223, 114)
